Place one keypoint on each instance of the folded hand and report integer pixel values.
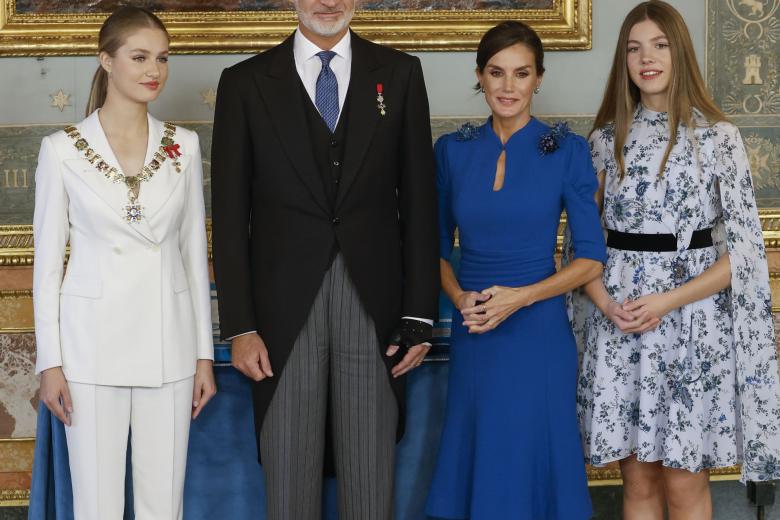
(648, 310)
(501, 303)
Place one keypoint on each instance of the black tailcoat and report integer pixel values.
(275, 229)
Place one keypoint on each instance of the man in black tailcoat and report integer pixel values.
(325, 253)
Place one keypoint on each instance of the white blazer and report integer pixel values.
(134, 306)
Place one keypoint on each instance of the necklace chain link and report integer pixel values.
(133, 211)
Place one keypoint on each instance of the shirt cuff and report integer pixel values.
(429, 322)
(242, 334)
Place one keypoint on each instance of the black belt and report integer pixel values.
(655, 242)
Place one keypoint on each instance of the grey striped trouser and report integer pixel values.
(336, 357)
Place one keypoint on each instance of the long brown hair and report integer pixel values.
(686, 86)
(117, 27)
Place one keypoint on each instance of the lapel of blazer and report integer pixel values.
(363, 114)
(279, 86)
(114, 194)
(156, 192)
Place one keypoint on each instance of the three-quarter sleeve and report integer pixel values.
(444, 188)
(579, 189)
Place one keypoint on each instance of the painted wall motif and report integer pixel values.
(743, 72)
(91, 6)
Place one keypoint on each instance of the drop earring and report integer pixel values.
(537, 90)
(482, 89)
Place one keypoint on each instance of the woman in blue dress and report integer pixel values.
(511, 447)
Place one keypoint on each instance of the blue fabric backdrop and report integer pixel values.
(224, 479)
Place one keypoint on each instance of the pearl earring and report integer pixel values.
(537, 90)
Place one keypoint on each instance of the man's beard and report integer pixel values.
(324, 29)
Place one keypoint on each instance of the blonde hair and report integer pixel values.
(117, 27)
(686, 86)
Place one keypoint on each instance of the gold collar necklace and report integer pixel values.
(168, 148)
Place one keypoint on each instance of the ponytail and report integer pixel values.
(97, 94)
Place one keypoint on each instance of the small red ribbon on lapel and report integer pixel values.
(172, 150)
(379, 88)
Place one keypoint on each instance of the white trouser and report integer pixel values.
(159, 422)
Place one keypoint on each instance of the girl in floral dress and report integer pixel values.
(679, 371)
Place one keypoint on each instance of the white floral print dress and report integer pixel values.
(701, 390)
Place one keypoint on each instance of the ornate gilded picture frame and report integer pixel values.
(57, 27)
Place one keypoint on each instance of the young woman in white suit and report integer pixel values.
(124, 341)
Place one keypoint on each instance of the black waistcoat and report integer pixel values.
(327, 147)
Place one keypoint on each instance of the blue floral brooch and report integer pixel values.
(467, 132)
(551, 141)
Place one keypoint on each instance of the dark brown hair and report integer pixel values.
(115, 30)
(686, 86)
(505, 35)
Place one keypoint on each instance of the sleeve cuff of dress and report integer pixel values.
(598, 257)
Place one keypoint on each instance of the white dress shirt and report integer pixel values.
(309, 65)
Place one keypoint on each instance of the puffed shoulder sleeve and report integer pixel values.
(579, 189)
(444, 189)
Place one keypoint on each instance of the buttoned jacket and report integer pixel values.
(275, 226)
(133, 307)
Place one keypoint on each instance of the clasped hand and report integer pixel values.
(640, 315)
(486, 310)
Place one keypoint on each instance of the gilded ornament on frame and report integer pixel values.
(70, 27)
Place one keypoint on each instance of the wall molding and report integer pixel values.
(16, 241)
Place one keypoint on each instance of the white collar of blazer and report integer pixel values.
(154, 193)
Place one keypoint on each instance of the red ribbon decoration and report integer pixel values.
(378, 88)
(172, 149)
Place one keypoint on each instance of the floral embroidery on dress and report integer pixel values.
(701, 390)
(552, 140)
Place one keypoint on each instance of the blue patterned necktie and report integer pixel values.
(327, 94)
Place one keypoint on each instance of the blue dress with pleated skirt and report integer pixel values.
(510, 447)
